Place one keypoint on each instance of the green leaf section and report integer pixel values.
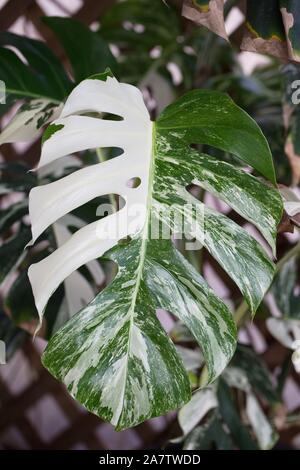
(264, 19)
(114, 355)
(209, 436)
(123, 366)
(257, 373)
(50, 131)
(12, 251)
(214, 119)
(119, 362)
(19, 304)
(291, 17)
(12, 214)
(231, 417)
(43, 77)
(277, 21)
(12, 336)
(87, 52)
(283, 290)
(153, 17)
(15, 178)
(137, 27)
(249, 375)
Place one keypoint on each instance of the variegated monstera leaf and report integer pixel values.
(114, 356)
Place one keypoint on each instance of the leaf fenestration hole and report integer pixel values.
(111, 117)
(125, 240)
(194, 190)
(134, 182)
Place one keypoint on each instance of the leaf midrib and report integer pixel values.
(143, 252)
(207, 126)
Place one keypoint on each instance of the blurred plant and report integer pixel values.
(230, 414)
(271, 26)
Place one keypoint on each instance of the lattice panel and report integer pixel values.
(36, 412)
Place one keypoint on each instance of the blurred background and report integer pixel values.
(166, 55)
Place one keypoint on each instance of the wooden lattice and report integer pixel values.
(36, 412)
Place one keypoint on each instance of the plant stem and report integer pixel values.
(240, 312)
(111, 197)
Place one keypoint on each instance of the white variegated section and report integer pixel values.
(50, 202)
(263, 430)
(236, 377)
(291, 200)
(139, 347)
(292, 207)
(99, 97)
(191, 358)
(296, 355)
(114, 380)
(78, 290)
(286, 331)
(26, 123)
(194, 411)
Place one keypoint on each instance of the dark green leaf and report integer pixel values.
(257, 373)
(12, 251)
(87, 51)
(231, 417)
(12, 214)
(43, 77)
(12, 336)
(209, 436)
(214, 119)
